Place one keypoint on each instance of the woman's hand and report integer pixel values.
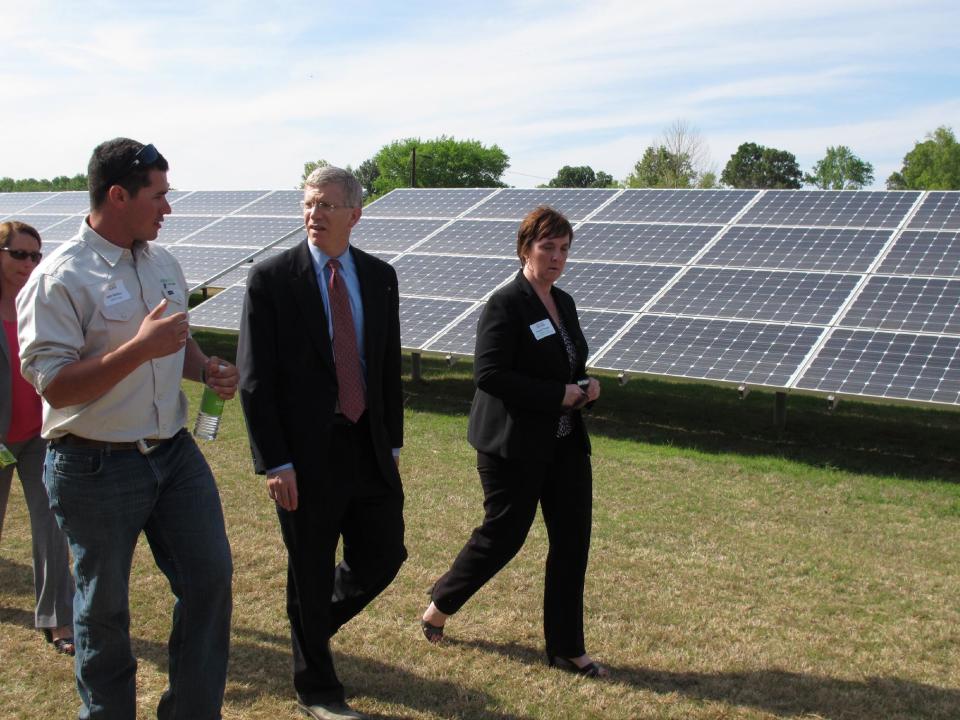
(593, 390)
(573, 397)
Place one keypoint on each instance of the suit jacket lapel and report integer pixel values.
(373, 304)
(307, 291)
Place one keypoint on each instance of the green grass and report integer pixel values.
(736, 572)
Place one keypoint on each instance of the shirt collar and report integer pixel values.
(110, 252)
(320, 258)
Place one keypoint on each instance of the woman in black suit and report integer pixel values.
(532, 446)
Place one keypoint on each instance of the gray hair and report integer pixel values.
(330, 175)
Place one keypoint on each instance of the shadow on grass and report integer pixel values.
(889, 440)
(779, 692)
(260, 665)
(16, 577)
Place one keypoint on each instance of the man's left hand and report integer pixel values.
(222, 377)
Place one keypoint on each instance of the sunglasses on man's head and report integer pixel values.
(24, 254)
(147, 155)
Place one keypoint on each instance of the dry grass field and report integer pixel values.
(736, 572)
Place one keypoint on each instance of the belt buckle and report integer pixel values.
(144, 448)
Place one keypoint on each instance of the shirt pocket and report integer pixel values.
(119, 322)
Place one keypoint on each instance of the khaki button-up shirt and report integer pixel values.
(85, 299)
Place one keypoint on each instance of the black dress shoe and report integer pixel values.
(590, 670)
(334, 710)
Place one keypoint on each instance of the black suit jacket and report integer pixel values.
(288, 382)
(521, 380)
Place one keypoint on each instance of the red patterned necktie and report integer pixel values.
(346, 357)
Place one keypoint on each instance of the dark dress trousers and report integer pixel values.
(521, 381)
(347, 480)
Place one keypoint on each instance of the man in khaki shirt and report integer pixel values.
(105, 339)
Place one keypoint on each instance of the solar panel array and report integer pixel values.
(837, 292)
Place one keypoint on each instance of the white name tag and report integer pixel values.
(116, 292)
(172, 290)
(542, 329)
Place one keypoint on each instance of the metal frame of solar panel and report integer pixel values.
(839, 293)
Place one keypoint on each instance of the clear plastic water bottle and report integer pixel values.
(208, 418)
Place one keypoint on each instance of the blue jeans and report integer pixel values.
(103, 499)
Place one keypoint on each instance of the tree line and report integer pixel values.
(678, 159)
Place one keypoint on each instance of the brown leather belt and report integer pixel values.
(145, 446)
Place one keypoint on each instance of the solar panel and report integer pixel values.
(62, 230)
(221, 312)
(599, 327)
(938, 211)
(381, 235)
(280, 203)
(610, 286)
(45, 223)
(238, 275)
(70, 202)
(924, 253)
(215, 202)
(755, 287)
(676, 206)
(249, 232)
(17, 202)
(831, 208)
(417, 202)
(475, 237)
(461, 338)
(422, 318)
(450, 276)
(640, 243)
(901, 366)
(575, 203)
(719, 350)
(898, 303)
(201, 263)
(177, 227)
(769, 295)
(823, 249)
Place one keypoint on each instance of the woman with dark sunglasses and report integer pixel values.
(20, 420)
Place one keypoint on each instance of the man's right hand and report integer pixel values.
(282, 487)
(159, 336)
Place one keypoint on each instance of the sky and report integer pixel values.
(238, 95)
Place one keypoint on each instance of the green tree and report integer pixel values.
(933, 164)
(756, 166)
(679, 159)
(309, 167)
(367, 173)
(840, 169)
(660, 168)
(61, 182)
(441, 162)
(580, 176)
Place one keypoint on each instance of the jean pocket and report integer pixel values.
(78, 462)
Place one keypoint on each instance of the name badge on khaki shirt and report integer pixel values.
(542, 329)
(116, 292)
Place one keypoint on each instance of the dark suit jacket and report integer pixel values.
(288, 382)
(521, 380)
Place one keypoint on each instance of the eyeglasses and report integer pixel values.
(23, 254)
(310, 205)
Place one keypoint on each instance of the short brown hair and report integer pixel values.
(543, 222)
(12, 228)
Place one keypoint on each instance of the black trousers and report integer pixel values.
(321, 594)
(511, 490)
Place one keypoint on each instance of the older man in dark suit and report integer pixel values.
(319, 354)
